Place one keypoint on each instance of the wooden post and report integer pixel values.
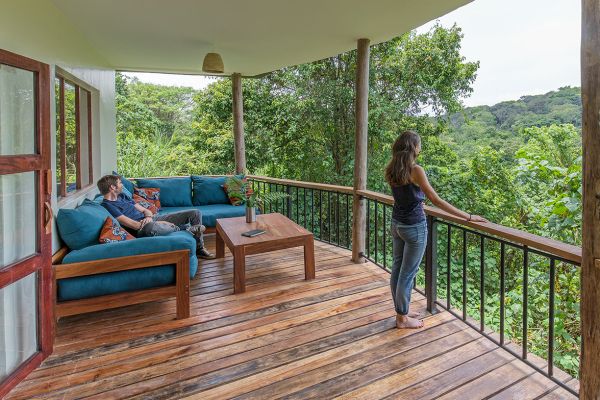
(360, 149)
(238, 124)
(590, 266)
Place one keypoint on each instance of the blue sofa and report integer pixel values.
(80, 228)
(203, 193)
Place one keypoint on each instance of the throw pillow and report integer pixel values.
(145, 203)
(151, 195)
(112, 232)
(236, 200)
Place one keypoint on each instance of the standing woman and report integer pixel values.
(409, 227)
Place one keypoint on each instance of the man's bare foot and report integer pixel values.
(406, 322)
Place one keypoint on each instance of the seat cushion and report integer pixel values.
(174, 192)
(124, 281)
(80, 227)
(208, 190)
(211, 212)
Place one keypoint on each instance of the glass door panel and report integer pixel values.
(18, 217)
(17, 111)
(18, 324)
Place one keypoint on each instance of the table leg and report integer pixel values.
(220, 246)
(239, 270)
(309, 258)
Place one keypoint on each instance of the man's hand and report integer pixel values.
(145, 221)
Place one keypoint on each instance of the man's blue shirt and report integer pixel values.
(123, 206)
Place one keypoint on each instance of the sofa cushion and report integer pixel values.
(112, 232)
(80, 227)
(125, 281)
(209, 190)
(211, 212)
(174, 192)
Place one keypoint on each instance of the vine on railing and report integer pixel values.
(517, 289)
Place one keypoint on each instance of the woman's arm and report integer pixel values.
(419, 177)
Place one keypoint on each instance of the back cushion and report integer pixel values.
(174, 192)
(80, 227)
(209, 190)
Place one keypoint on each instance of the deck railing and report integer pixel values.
(473, 270)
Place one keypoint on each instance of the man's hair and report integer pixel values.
(106, 182)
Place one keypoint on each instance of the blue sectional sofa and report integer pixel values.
(93, 276)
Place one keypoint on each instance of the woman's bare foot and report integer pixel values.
(406, 322)
(414, 314)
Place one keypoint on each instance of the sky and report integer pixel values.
(524, 47)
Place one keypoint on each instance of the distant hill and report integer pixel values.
(498, 126)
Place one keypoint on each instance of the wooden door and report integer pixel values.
(26, 321)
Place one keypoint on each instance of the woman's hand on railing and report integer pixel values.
(477, 218)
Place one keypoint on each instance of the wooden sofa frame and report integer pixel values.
(181, 288)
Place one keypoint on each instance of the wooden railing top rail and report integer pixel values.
(307, 185)
(554, 247)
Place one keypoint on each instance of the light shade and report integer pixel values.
(213, 63)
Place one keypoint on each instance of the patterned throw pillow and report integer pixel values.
(234, 199)
(112, 232)
(145, 203)
(150, 195)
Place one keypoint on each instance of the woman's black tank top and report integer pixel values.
(408, 204)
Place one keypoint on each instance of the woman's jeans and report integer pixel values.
(409, 242)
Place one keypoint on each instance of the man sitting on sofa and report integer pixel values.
(143, 222)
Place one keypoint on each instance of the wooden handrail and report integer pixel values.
(551, 246)
(307, 185)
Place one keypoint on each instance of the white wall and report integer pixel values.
(38, 30)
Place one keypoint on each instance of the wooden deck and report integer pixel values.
(284, 337)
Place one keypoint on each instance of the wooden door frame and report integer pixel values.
(39, 163)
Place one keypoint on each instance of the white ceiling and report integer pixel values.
(252, 36)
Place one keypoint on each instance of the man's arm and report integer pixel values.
(130, 223)
(142, 209)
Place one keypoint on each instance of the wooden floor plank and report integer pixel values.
(454, 377)
(492, 382)
(264, 384)
(334, 336)
(531, 387)
(170, 350)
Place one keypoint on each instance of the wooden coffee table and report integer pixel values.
(281, 233)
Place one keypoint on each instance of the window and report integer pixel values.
(73, 137)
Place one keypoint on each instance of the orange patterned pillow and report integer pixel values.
(151, 195)
(145, 203)
(112, 232)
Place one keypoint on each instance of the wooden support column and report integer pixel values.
(360, 150)
(238, 124)
(590, 267)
